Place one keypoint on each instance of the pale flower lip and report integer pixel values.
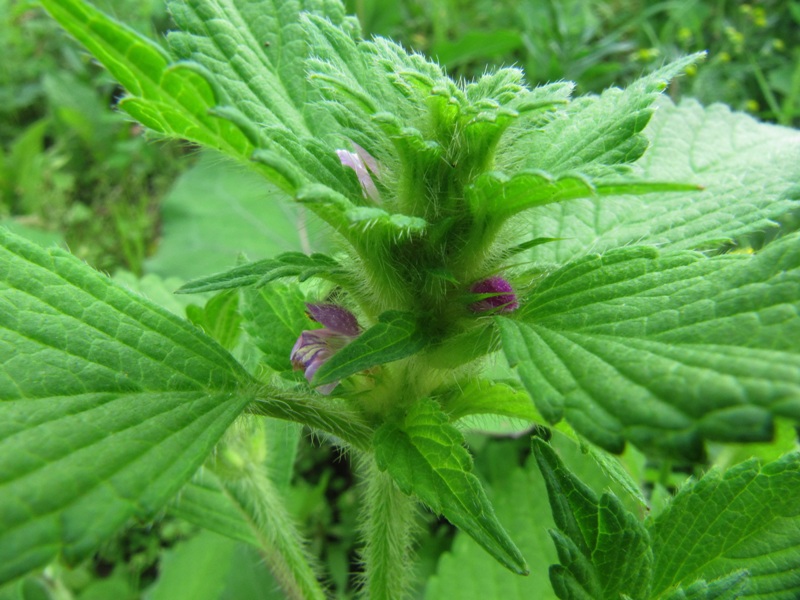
(362, 162)
(502, 299)
(315, 346)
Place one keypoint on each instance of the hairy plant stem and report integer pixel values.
(279, 541)
(388, 529)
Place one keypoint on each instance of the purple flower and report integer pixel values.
(497, 296)
(315, 346)
(362, 162)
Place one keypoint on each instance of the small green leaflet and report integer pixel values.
(664, 349)
(603, 549)
(745, 519)
(394, 336)
(426, 457)
(262, 272)
(108, 404)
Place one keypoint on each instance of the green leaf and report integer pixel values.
(236, 81)
(496, 195)
(219, 318)
(259, 57)
(262, 272)
(745, 519)
(426, 457)
(394, 336)
(215, 212)
(691, 144)
(481, 396)
(203, 501)
(195, 569)
(257, 52)
(729, 587)
(109, 404)
(210, 567)
(274, 317)
(595, 133)
(519, 497)
(604, 550)
(282, 439)
(175, 100)
(465, 572)
(156, 289)
(365, 227)
(664, 349)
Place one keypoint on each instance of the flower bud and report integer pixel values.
(497, 295)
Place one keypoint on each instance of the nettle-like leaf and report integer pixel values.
(235, 80)
(690, 144)
(426, 457)
(730, 587)
(594, 134)
(604, 550)
(731, 535)
(220, 318)
(519, 498)
(173, 99)
(109, 404)
(664, 348)
(497, 195)
(745, 520)
(260, 273)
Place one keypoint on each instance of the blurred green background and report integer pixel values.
(154, 213)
